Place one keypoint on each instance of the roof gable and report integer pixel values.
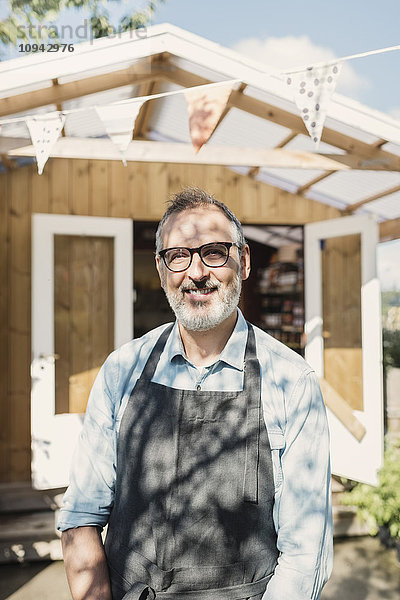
(261, 112)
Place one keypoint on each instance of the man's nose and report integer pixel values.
(197, 270)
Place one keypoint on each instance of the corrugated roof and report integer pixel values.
(387, 207)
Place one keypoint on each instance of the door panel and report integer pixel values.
(82, 284)
(343, 370)
(83, 315)
(341, 313)
(344, 341)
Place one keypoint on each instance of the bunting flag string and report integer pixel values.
(205, 108)
(312, 87)
(44, 131)
(341, 60)
(128, 100)
(119, 124)
(313, 91)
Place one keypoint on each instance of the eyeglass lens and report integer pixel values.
(213, 255)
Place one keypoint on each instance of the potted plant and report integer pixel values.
(379, 507)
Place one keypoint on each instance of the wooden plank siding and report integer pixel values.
(97, 188)
(83, 316)
(4, 329)
(341, 290)
(19, 323)
(62, 309)
(101, 312)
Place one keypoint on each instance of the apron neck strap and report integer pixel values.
(152, 361)
(251, 364)
(252, 391)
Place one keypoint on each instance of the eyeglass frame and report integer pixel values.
(192, 251)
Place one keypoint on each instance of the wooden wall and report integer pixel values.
(97, 188)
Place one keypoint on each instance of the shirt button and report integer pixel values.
(198, 388)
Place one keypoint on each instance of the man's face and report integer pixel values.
(202, 297)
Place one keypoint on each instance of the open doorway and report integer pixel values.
(273, 296)
(151, 308)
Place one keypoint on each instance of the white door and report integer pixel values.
(343, 339)
(82, 289)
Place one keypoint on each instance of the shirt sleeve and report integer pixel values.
(90, 495)
(304, 509)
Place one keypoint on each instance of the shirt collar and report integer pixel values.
(232, 354)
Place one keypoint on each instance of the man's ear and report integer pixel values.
(245, 262)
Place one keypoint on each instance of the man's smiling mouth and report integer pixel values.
(200, 292)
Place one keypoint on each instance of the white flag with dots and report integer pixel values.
(313, 89)
(44, 132)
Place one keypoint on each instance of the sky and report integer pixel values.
(290, 33)
(294, 33)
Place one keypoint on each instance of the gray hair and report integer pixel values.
(192, 197)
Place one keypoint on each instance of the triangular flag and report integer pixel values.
(119, 121)
(205, 107)
(44, 131)
(313, 90)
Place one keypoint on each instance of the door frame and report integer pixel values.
(54, 435)
(358, 459)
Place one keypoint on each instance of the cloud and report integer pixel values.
(291, 51)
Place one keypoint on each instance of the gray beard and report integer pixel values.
(194, 318)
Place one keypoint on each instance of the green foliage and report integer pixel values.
(380, 506)
(33, 20)
(390, 298)
(391, 348)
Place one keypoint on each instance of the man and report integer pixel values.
(205, 444)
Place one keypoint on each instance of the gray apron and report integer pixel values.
(194, 493)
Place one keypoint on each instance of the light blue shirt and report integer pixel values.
(295, 418)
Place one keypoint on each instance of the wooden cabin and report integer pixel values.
(76, 243)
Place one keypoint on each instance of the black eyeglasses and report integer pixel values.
(212, 255)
